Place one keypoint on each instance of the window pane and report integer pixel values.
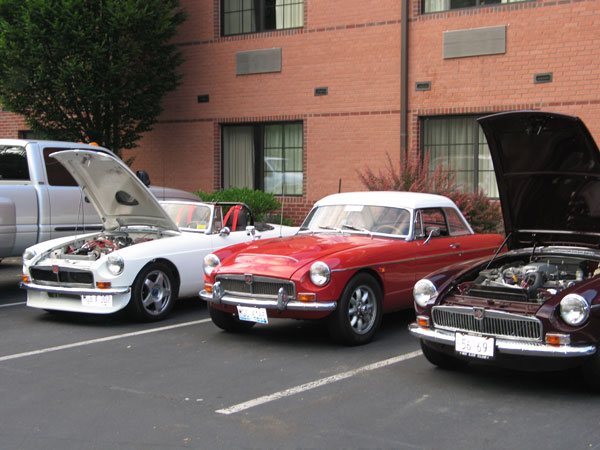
(13, 163)
(289, 14)
(455, 4)
(431, 6)
(57, 174)
(239, 16)
(238, 157)
(435, 5)
(283, 159)
(455, 223)
(451, 141)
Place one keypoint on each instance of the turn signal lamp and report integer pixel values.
(25, 278)
(423, 321)
(208, 288)
(103, 284)
(307, 297)
(558, 339)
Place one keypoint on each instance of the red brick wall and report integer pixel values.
(353, 48)
(541, 36)
(10, 125)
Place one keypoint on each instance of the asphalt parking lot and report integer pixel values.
(71, 381)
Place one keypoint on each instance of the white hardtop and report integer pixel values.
(44, 143)
(395, 199)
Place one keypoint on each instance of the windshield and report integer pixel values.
(358, 218)
(189, 215)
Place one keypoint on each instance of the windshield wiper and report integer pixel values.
(353, 228)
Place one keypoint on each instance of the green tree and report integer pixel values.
(89, 70)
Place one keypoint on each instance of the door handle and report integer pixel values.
(455, 245)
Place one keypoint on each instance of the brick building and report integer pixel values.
(311, 91)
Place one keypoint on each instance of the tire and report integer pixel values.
(591, 372)
(227, 321)
(359, 312)
(441, 359)
(152, 294)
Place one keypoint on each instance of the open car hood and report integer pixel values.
(548, 172)
(120, 198)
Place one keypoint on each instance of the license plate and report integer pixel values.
(251, 314)
(105, 301)
(474, 346)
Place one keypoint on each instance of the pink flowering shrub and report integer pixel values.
(483, 214)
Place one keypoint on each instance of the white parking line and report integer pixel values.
(315, 384)
(12, 304)
(104, 339)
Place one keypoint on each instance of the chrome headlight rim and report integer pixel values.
(115, 264)
(210, 261)
(320, 273)
(424, 292)
(574, 310)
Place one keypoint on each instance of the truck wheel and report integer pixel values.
(440, 359)
(152, 293)
(227, 321)
(359, 312)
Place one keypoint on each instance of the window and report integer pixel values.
(57, 174)
(456, 224)
(264, 156)
(13, 163)
(253, 16)
(431, 6)
(429, 218)
(458, 142)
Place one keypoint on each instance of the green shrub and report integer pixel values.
(260, 202)
(483, 214)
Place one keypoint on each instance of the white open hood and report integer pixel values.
(120, 198)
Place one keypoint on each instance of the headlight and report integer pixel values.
(320, 274)
(574, 309)
(424, 292)
(115, 263)
(210, 262)
(29, 254)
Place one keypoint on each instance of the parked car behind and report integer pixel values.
(146, 255)
(537, 305)
(355, 257)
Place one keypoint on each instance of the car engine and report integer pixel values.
(530, 281)
(91, 249)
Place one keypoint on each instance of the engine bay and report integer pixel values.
(529, 279)
(94, 247)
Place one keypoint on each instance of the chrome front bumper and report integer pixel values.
(507, 346)
(282, 303)
(75, 290)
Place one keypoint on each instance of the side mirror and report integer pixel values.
(251, 231)
(225, 231)
(431, 232)
(143, 175)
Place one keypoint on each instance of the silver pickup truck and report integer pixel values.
(39, 200)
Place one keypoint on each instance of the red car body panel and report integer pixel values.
(397, 263)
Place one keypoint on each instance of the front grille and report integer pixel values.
(249, 285)
(495, 323)
(64, 276)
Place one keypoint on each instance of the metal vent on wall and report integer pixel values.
(542, 78)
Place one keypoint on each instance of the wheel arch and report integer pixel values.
(371, 272)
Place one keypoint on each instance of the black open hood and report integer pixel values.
(548, 171)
